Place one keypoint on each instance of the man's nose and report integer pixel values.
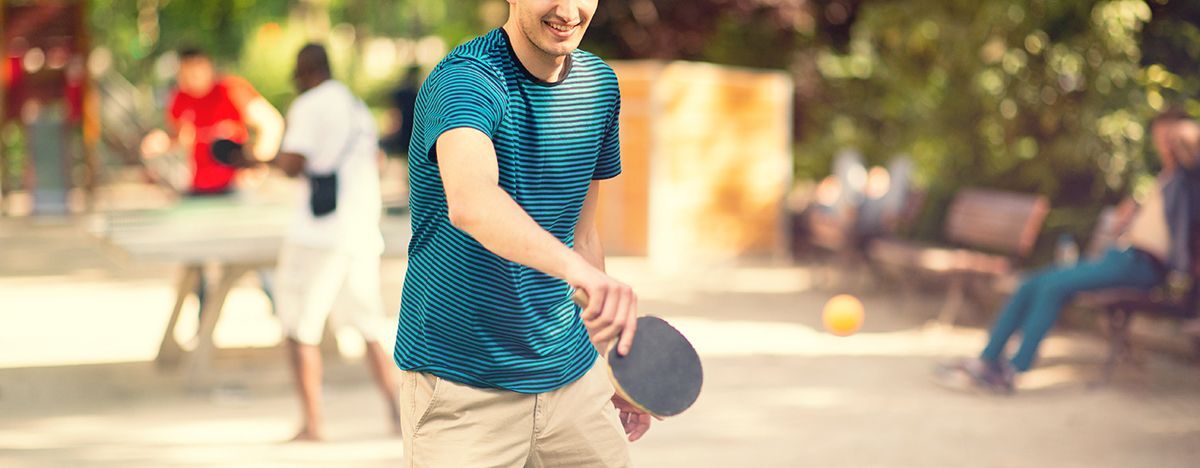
(567, 10)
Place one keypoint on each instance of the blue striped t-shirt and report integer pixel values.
(468, 315)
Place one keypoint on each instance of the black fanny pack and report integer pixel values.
(323, 192)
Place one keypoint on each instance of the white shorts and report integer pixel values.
(311, 283)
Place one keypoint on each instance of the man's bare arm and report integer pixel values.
(587, 239)
(268, 126)
(587, 244)
(292, 164)
(479, 207)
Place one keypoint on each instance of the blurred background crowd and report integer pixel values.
(1037, 96)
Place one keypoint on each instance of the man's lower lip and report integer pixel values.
(559, 32)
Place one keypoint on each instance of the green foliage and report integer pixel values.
(980, 94)
(139, 31)
(1043, 96)
(1046, 96)
(258, 39)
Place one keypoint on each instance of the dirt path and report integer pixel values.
(76, 388)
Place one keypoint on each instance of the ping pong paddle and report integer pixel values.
(662, 374)
(227, 152)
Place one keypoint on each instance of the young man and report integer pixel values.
(330, 260)
(206, 107)
(513, 131)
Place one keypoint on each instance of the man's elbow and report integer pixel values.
(463, 214)
(460, 216)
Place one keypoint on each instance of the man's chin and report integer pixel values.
(558, 49)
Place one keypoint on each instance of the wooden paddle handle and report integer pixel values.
(581, 299)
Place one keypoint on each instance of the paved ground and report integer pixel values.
(77, 331)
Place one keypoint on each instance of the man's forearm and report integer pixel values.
(494, 219)
(587, 245)
(265, 148)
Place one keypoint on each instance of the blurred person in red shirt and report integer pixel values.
(206, 106)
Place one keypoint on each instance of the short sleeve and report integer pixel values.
(463, 92)
(175, 107)
(302, 129)
(239, 91)
(608, 162)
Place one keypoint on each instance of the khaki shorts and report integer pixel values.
(448, 424)
(311, 283)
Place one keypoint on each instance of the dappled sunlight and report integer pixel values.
(247, 321)
(805, 397)
(731, 338)
(727, 338)
(655, 282)
(1047, 377)
(225, 443)
(1173, 426)
(190, 439)
(71, 322)
(220, 431)
(58, 432)
(63, 323)
(766, 280)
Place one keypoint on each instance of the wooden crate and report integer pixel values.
(707, 159)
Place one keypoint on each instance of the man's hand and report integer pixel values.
(155, 144)
(611, 309)
(635, 421)
(246, 158)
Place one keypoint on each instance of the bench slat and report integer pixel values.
(990, 219)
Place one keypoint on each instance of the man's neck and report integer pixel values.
(540, 64)
(313, 83)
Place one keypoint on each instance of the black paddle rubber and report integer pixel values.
(662, 371)
(226, 152)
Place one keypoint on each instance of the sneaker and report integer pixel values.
(1004, 376)
(953, 375)
(976, 376)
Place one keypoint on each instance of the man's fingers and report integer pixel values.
(635, 422)
(609, 316)
(628, 421)
(602, 326)
(620, 317)
(641, 424)
(595, 299)
(610, 310)
(592, 310)
(630, 327)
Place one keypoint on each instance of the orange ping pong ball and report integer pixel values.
(843, 315)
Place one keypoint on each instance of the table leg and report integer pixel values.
(169, 352)
(199, 365)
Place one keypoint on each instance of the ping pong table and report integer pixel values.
(236, 234)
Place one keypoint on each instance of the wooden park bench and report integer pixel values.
(1177, 298)
(988, 232)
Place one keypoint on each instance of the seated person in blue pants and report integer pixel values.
(1155, 242)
